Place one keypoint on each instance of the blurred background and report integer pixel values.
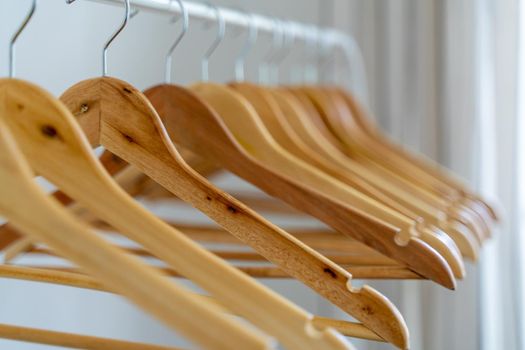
(444, 78)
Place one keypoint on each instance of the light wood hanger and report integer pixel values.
(269, 110)
(358, 259)
(78, 280)
(296, 122)
(354, 149)
(226, 102)
(131, 128)
(61, 142)
(478, 213)
(148, 289)
(70, 340)
(438, 173)
(458, 224)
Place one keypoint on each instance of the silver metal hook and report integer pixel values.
(185, 26)
(127, 16)
(286, 48)
(218, 39)
(277, 43)
(310, 71)
(12, 43)
(326, 61)
(248, 44)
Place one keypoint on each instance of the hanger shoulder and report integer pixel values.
(355, 176)
(131, 128)
(233, 107)
(49, 222)
(351, 121)
(184, 114)
(271, 115)
(337, 116)
(216, 142)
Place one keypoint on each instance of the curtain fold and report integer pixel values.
(443, 81)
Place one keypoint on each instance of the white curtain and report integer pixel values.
(443, 79)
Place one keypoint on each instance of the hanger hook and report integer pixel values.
(221, 31)
(12, 43)
(311, 73)
(277, 43)
(286, 48)
(185, 26)
(248, 44)
(127, 16)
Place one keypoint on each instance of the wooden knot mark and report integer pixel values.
(330, 272)
(368, 310)
(50, 131)
(128, 138)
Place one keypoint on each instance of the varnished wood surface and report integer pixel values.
(48, 223)
(122, 119)
(182, 113)
(217, 143)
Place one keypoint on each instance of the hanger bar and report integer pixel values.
(386, 272)
(77, 280)
(70, 340)
(251, 256)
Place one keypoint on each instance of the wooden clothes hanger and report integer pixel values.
(296, 123)
(252, 135)
(355, 149)
(141, 284)
(80, 280)
(70, 340)
(116, 115)
(359, 260)
(52, 139)
(438, 174)
(336, 113)
(269, 111)
(43, 121)
(150, 151)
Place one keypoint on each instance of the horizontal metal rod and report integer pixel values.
(236, 18)
(328, 37)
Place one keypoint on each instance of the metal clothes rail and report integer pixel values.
(330, 38)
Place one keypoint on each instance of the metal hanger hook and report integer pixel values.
(12, 43)
(277, 43)
(311, 71)
(248, 45)
(127, 16)
(221, 31)
(185, 26)
(286, 48)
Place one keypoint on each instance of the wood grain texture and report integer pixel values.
(70, 340)
(326, 278)
(337, 164)
(49, 223)
(338, 114)
(344, 186)
(224, 146)
(129, 127)
(430, 168)
(78, 280)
